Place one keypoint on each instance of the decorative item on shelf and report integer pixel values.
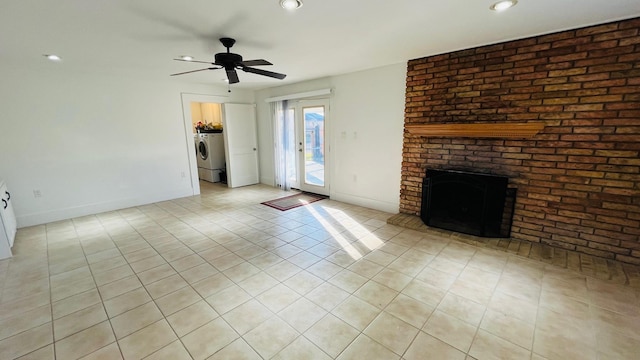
(208, 128)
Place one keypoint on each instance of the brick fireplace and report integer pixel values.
(578, 179)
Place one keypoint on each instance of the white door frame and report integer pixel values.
(187, 99)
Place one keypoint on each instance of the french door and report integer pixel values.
(311, 124)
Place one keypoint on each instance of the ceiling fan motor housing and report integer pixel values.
(227, 59)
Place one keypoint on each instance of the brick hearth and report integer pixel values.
(578, 180)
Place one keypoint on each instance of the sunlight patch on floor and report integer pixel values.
(335, 234)
(364, 236)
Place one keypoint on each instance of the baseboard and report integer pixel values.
(45, 217)
(367, 202)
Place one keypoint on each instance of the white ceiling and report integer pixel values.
(325, 37)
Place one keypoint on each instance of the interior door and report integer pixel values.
(311, 123)
(241, 144)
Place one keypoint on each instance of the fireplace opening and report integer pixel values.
(470, 203)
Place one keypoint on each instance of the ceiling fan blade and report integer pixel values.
(232, 75)
(195, 61)
(264, 72)
(192, 71)
(257, 62)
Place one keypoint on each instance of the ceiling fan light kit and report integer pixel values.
(503, 5)
(230, 62)
(52, 57)
(291, 4)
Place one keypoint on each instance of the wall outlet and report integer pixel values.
(37, 193)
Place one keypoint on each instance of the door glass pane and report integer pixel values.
(313, 145)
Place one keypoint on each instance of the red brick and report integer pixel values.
(633, 245)
(616, 35)
(596, 114)
(610, 67)
(589, 107)
(604, 83)
(582, 171)
(583, 188)
(595, 252)
(585, 152)
(587, 159)
(559, 241)
(576, 166)
(594, 145)
(594, 130)
(597, 29)
(628, 259)
(616, 235)
(580, 137)
(609, 248)
(618, 221)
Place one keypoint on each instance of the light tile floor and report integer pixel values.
(219, 276)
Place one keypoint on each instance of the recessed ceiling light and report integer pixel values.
(291, 4)
(52, 57)
(503, 5)
(186, 57)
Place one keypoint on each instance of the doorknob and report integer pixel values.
(254, 149)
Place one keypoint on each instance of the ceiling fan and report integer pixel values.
(230, 62)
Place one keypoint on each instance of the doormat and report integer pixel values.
(293, 201)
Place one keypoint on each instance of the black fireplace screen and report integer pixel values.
(469, 203)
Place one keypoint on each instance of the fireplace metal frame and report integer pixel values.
(492, 217)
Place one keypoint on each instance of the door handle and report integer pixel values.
(254, 149)
(6, 204)
(8, 195)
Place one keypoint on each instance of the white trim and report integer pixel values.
(187, 99)
(299, 95)
(389, 207)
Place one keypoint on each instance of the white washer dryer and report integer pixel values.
(210, 156)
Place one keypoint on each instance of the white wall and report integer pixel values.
(366, 131)
(92, 143)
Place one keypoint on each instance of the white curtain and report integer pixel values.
(285, 144)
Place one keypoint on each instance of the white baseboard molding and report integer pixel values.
(45, 217)
(389, 207)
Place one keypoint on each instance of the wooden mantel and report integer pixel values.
(492, 130)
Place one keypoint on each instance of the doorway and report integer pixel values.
(206, 119)
(238, 122)
(304, 147)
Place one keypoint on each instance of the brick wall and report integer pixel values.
(579, 179)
